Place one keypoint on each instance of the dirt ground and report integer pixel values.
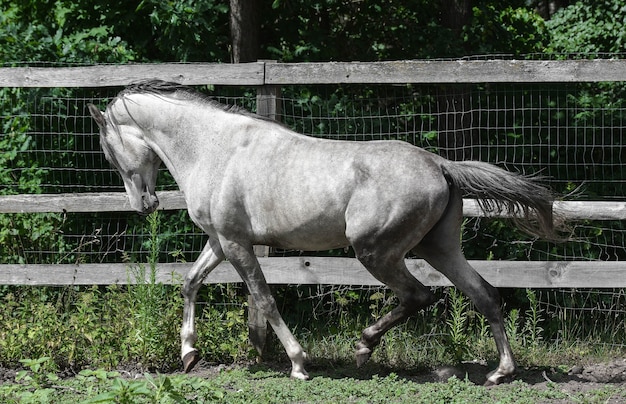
(578, 379)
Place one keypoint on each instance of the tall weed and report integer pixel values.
(155, 307)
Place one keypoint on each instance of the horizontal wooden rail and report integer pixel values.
(174, 200)
(567, 210)
(448, 71)
(83, 202)
(241, 74)
(264, 73)
(331, 271)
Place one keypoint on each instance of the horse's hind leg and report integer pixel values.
(242, 257)
(486, 299)
(441, 248)
(210, 257)
(412, 295)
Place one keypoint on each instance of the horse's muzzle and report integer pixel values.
(150, 204)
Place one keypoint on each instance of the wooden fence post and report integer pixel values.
(268, 105)
(268, 100)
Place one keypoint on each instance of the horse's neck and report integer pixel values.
(192, 143)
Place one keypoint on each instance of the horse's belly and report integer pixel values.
(310, 234)
(310, 243)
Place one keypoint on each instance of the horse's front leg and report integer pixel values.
(210, 257)
(242, 257)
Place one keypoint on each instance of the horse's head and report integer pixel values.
(125, 148)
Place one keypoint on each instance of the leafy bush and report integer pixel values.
(511, 30)
(64, 33)
(187, 31)
(589, 27)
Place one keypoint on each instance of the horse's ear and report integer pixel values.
(97, 115)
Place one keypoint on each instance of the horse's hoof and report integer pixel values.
(491, 381)
(189, 360)
(301, 375)
(362, 356)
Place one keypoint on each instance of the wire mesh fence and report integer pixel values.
(573, 135)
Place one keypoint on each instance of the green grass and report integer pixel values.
(262, 385)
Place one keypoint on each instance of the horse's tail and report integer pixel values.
(498, 190)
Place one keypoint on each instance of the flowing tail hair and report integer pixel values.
(497, 190)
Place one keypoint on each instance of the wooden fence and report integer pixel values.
(267, 77)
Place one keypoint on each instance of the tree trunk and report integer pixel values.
(245, 27)
(547, 8)
(456, 136)
(455, 14)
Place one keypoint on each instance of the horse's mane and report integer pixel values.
(162, 88)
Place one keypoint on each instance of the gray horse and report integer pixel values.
(248, 180)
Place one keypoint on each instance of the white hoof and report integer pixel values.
(299, 375)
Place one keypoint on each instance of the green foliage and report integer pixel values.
(341, 30)
(222, 328)
(31, 31)
(115, 325)
(154, 307)
(534, 316)
(15, 140)
(101, 331)
(20, 233)
(187, 30)
(457, 323)
(589, 27)
(159, 390)
(40, 373)
(261, 385)
(34, 32)
(511, 30)
(346, 31)
(108, 328)
(338, 112)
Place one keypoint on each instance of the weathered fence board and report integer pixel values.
(265, 73)
(448, 71)
(174, 200)
(330, 271)
(83, 202)
(242, 74)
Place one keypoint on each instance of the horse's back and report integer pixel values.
(311, 193)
